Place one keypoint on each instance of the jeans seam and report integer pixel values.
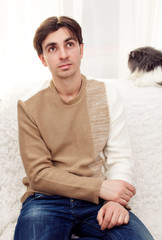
(31, 200)
(68, 231)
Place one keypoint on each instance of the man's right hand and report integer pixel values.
(117, 191)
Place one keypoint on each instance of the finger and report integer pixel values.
(125, 197)
(129, 193)
(114, 220)
(106, 220)
(123, 202)
(131, 188)
(100, 216)
(126, 219)
(121, 219)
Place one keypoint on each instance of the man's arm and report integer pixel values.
(118, 167)
(117, 189)
(42, 175)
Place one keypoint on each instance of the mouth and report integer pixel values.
(65, 66)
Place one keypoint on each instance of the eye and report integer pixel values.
(52, 49)
(70, 44)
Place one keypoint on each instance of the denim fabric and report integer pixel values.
(46, 217)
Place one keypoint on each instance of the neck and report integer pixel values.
(68, 88)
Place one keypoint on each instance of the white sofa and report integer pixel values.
(143, 108)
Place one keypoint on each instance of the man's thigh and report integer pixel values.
(52, 217)
(44, 218)
(134, 230)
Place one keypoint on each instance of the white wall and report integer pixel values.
(111, 28)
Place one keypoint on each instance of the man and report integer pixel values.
(75, 149)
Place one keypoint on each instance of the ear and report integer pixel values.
(81, 50)
(43, 60)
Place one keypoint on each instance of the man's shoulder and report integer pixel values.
(36, 93)
(92, 80)
(95, 83)
(101, 83)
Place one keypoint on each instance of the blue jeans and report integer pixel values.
(56, 218)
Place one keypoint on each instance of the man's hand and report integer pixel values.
(112, 214)
(117, 191)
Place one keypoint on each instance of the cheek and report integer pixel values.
(77, 56)
(76, 53)
(51, 61)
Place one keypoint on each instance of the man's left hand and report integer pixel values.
(112, 214)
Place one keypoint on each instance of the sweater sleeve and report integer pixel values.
(42, 175)
(118, 149)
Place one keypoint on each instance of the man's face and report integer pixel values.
(62, 54)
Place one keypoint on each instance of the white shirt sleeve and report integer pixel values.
(117, 151)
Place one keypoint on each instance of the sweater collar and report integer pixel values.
(79, 97)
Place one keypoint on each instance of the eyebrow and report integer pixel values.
(54, 43)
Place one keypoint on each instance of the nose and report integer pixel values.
(63, 54)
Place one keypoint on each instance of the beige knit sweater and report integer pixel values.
(69, 148)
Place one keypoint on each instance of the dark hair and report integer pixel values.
(52, 24)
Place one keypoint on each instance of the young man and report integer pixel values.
(75, 149)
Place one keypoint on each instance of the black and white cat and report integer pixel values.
(145, 66)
